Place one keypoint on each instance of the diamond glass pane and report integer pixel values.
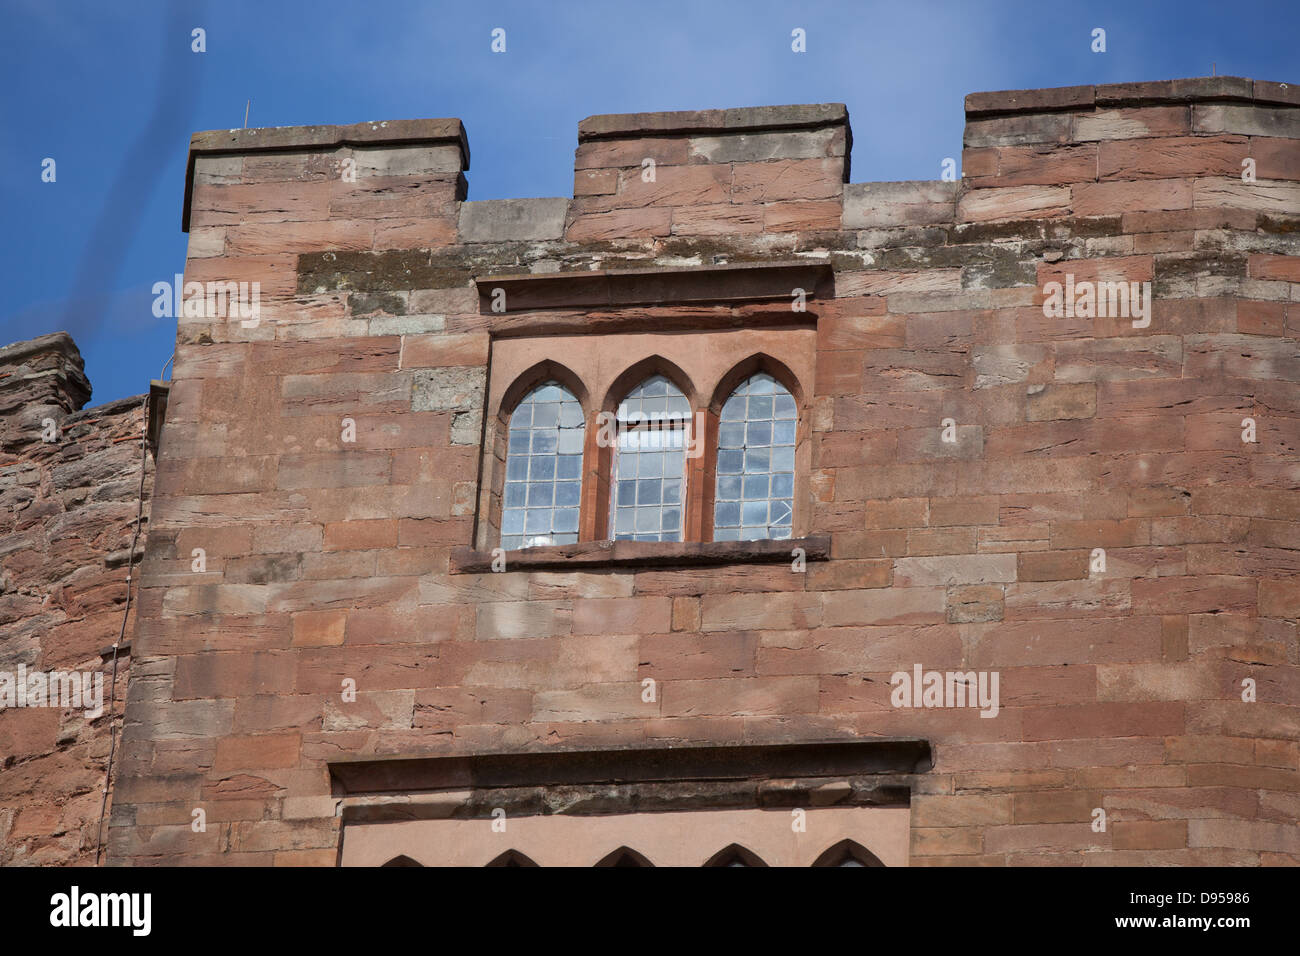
(756, 434)
(650, 462)
(543, 470)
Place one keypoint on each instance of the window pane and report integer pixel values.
(650, 462)
(567, 493)
(649, 492)
(546, 434)
(569, 467)
(626, 493)
(755, 473)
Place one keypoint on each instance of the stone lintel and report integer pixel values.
(873, 790)
(556, 767)
(661, 285)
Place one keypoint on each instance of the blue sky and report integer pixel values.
(112, 92)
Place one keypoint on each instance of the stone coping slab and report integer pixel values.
(1194, 89)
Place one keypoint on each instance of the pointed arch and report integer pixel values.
(544, 440)
(758, 362)
(753, 484)
(604, 520)
(402, 860)
(624, 856)
(544, 371)
(511, 858)
(638, 372)
(848, 853)
(735, 855)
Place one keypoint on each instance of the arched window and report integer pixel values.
(402, 861)
(543, 469)
(755, 467)
(650, 463)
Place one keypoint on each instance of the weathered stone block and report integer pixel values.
(448, 389)
(512, 220)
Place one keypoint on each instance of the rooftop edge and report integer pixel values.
(742, 119)
(1202, 88)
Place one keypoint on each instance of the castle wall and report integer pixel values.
(330, 560)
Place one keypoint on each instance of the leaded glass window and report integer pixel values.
(756, 440)
(650, 463)
(543, 470)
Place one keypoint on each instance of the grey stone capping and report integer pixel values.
(1193, 89)
(742, 120)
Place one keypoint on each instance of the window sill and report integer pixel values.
(642, 554)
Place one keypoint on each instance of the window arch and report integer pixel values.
(401, 860)
(757, 435)
(624, 856)
(735, 855)
(510, 858)
(543, 483)
(848, 853)
(649, 471)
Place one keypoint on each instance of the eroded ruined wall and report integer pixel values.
(1121, 689)
(69, 485)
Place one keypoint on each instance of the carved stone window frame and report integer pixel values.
(767, 296)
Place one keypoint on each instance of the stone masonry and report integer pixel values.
(388, 300)
(69, 484)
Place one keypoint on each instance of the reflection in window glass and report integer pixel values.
(756, 439)
(543, 470)
(650, 463)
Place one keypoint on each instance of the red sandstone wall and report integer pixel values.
(1120, 690)
(69, 513)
